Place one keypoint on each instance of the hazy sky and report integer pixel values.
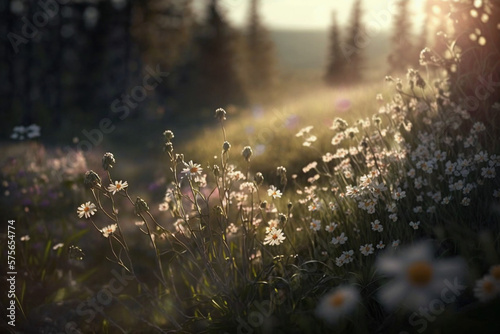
(315, 14)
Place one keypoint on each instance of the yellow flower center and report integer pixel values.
(420, 273)
(337, 299)
(194, 169)
(86, 209)
(488, 286)
(118, 186)
(275, 236)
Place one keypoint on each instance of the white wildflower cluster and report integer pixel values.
(403, 169)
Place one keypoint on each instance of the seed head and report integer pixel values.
(220, 114)
(108, 160)
(169, 135)
(258, 178)
(92, 179)
(141, 206)
(226, 146)
(247, 153)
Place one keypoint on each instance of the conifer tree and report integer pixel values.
(336, 60)
(259, 50)
(217, 81)
(353, 47)
(402, 54)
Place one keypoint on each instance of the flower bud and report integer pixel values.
(216, 170)
(247, 153)
(92, 179)
(141, 206)
(226, 146)
(169, 135)
(108, 160)
(220, 114)
(258, 178)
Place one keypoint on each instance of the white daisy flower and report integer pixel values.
(274, 237)
(418, 278)
(366, 249)
(192, 170)
(108, 230)
(274, 192)
(338, 303)
(315, 225)
(376, 226)
(118, 186)
(380, 245)
(486, 289)
(341, 239)
(415, 225)
(331, 227)
(395, 243)
(86, 210)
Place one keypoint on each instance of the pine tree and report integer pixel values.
(353, 47)
(217, 83)
(260, 60)
(336, 60)
(402, 54)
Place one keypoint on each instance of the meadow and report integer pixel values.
(366, 209)
(361, 208)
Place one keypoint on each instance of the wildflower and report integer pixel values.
(108, 160)
(140, 206)
(92, 179)
(192, 169)
(274, 192)
(398, 194)
(415, 225)
(395, 243)
(331, 227)
(417, 278)
(348, 256)
(488, 172)
(486, 289)
(315, 225)
(366, 249)
(341, 239)
(86, 210)
(274, 237)
(258, 178)
(247, 153)
(226, 146)
(169, 135)
(337, 304)
(303, 131)
(118, 186)
(108, 230)
(380, 245)
(376, 226)
(314, 206)
(220, 114)
(393, 217)
(465, 201)
(19, 132)
(310, 166)
(232, 229)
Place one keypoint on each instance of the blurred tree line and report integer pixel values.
(470, 28)
(69, 64)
